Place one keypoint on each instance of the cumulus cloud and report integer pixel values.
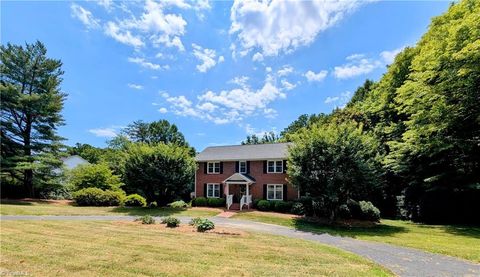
(85, 16)
(123, 36)
(389, 56)
(282, 26)
(206, 56)
(287, 85)
(316, 77)
(231, 105)
(162, 110)
(135, 86)
(339, 100)
(146, 64)
(104, 132)
(257, 57)
(286, 70)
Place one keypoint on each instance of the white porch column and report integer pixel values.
(226, 189)
(248, 186)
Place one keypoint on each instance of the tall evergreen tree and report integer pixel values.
(30, 115)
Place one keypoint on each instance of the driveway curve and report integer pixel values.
(402, 261)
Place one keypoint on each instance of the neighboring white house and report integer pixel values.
(73, 161)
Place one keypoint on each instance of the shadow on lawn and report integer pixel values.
(161, 211)
(466, 231)
(307, 225)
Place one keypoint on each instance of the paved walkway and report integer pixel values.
(400, 260)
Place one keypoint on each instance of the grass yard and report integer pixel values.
(15, 207)
(458, 241)
(97, 248)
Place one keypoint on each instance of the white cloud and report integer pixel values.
(104, 132)
(356, 67)
(232, 105)
(282, 26)
(135, 86)
(107, 4)
(85, 16)
(287, 85)
(268, 69)
(253, 131)
(257, 57)
(206, 56)
(339, 100)
(286, 70)
(389, 56)
(221, 59)
(125, 36)
(315, 77)
(163, 110)
(146, 64)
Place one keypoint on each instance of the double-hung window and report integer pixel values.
(213, 190)
(275, 167)
(213, 167)
(274, 192)
(242, 166)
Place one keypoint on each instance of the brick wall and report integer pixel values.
(256, 171)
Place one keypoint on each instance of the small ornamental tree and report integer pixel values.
(94, 175)
(161, 172)
(332, 164)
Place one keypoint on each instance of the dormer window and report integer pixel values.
(242, 166)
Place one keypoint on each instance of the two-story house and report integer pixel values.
(241, 173)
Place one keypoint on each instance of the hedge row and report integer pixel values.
(208, 202)
(98, 197)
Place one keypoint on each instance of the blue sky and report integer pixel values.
(218, 70)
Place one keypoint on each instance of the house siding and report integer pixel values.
(256, 171)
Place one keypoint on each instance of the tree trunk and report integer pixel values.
(28, 173)
(28, 183)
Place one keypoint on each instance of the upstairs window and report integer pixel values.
(242, 166)
(275, 167)
(213, 167)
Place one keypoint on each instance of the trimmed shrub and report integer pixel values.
(153, 205)
(204, 225)
(255, 203)
(216, 202)
(263, 205)
(199, 202)
(180, 204)
(94, 176)
(171, 221)
(297, 208)
(146, 219)
(98, 197)
(135, 200)
(369, 211)
(282, 206)
(195, 221)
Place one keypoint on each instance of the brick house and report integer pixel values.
(242, 173)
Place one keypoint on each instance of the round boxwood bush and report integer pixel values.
(171, 221)
(135, 200)
(98, 197)
(263, 205)
(204, 225)
(146, 219)
(153, 205)
(199, 202)
(216, 202)
(369, 211)
(255, 203)
(180, 204)
(282, 206)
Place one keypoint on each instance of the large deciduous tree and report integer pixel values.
(161, 172)
(32, 102)
(332, 164)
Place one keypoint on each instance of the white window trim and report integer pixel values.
(275, 166)
(274, 192)
(213, 185)
(240, 167)
(208, 168)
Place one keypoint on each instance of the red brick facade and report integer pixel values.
(256, 171)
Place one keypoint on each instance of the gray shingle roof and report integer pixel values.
(244, 152)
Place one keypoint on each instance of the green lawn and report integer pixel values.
(10, 207)
(458, 241)
(97, 248)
